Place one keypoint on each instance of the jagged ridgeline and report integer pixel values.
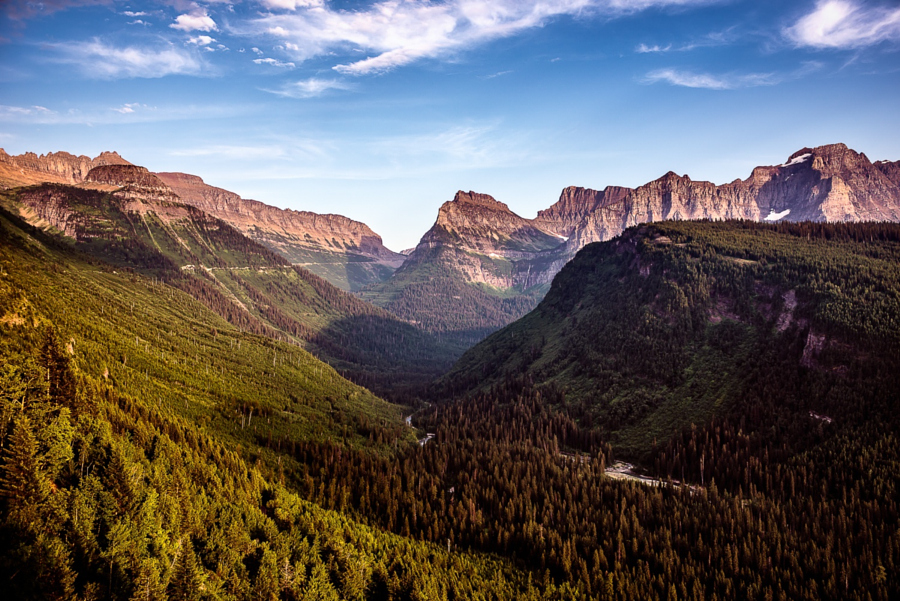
(674, 323)
(131, 219)
(146, 446)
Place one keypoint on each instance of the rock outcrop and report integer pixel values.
(55, 167)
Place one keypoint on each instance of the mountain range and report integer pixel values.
(166, 434)
(481, 266)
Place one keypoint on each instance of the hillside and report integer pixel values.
(146, 452)
(347, 253)
(142, 225)
(153, 450)
(675, 323)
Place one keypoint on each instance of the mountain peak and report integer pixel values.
(125, 175)
(483, 200)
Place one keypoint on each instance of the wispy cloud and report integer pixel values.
(31, 113)
(708, 81)
(645, 49)
(273, 62)
(397, 33)
(291, 4)
(129, 108)
(727, 81)
(710, 40)
(196, 21)
(310, 88)
(845, 24)
(100, 60)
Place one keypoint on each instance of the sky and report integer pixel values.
(381, 111)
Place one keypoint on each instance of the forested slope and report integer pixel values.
(150, 231)
(674, 323)
(146, 452)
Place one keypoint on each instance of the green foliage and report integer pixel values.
(676, 322)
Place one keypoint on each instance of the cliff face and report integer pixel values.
(828, 183)
(55, 167)
(486, 243)
(574, 206)
(318, 242)
(477, 223)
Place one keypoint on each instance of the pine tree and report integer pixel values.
(22, 482)
(186, 582)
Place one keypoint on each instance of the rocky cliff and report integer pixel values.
(575, 205)
(320, 242)
(829, 183)
(56, 167)
(479, 223)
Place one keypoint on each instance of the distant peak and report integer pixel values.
(111, 157)
(124, 175)
(484, 200)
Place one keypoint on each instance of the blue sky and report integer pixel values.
(382, 110)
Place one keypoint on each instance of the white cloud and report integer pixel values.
(99, 60)
(645, 49)
(138, 22)
(708, 81)
(398, 32)
(201, 40)
(197, 21)
(845, 24)
(310, 88)
(12, 113)
(273, 62)
(129, 13)
(130, 108)
(291, 4)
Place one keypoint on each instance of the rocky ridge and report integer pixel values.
(56, 167)
(335, 233)
(828, 183)
(346, 252)
(319, 242)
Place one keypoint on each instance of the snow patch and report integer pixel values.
(563, 238)
(773, 216)
(797, 160)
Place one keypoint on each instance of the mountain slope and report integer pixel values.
(345, 252)
(143, 225)
(676, 322)
(479, 267)
(147, 452)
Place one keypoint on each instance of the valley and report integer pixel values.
(679, 390)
